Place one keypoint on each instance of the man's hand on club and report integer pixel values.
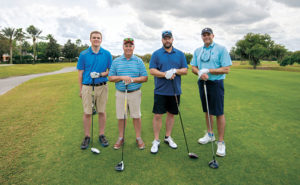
(170, 74)
(204, 77)
(95, 75)
(203, 71)
(127, 80)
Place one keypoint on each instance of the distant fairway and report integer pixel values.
(41, 131)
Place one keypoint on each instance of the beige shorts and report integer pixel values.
(133, 102)
(101, 96)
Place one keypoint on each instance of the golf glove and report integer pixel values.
(95, 75)
(170, 73)
(202, 71)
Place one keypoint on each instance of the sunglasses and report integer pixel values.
(128, 39)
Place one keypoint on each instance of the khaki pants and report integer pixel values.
(133, 103)
(101, 96)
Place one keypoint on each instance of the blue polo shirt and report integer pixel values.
(212, 57)
(134, 67)
(94, 62)
(163, 61)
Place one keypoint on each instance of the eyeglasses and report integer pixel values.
(128, 39)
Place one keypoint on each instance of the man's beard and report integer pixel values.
(167, 45)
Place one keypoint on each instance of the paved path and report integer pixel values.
(6, 64)
(7, 84)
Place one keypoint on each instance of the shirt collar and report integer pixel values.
(210, 46)
(99, 52)
(124, 58)
(173, 50)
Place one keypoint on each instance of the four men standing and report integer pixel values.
(210, 62)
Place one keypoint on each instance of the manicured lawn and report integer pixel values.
(41, 131)
(266, 65)
(26, 69)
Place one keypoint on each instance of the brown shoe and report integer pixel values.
(140, 144)
(119, 144)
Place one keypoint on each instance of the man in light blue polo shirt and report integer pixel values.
(211, 62)
(131, 70)
(167, 64)
(94, 59)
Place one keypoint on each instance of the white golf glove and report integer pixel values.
(202, 71)
(95, 75)
(170, 73)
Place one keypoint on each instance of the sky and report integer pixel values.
(144, 20)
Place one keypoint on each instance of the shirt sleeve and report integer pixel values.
(183, 61)
(113, 71)
(194, 59)
(153, 61)
(225, 58)
(80, 63)
(142, 68)
(109, 60)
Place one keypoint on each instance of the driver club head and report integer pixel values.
(95, 150)
(193, 156)
(213, 164)
(119, 166)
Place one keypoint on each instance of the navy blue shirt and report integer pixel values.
(94, 62)
(163, 61)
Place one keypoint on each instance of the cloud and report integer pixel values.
(290, 3)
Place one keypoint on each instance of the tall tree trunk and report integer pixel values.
(21, 54)
(34, 52)
(10, 52)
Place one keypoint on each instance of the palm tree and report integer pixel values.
(20, 36)
(9, 34)
(35, 34)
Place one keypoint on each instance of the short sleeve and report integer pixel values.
(225, 58)
(113, 71)
(80, 63)
(142, 68)
(153, 61)
(183, 61)
(109, 60)
(194, 59)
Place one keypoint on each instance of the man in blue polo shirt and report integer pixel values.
(211, 62)
(167, 64)
(128, 69)
(94, 59)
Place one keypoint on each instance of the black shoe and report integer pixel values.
(85, 143)
(103, 140)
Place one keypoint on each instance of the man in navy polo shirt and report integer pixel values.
(167, 64)
(94, 59)
(211, 62)
(131, 70)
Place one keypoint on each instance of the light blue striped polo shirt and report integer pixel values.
(134, 67)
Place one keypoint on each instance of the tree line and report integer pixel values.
(253, 47)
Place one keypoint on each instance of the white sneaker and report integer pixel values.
(206, 139)
(155, 146)
(171, 143)
(221, 149)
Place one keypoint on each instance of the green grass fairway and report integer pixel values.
(41, 131)
(26, 69)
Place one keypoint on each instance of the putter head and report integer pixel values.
(119, 166)
(95, 150)
(193, 156)
(213, 164)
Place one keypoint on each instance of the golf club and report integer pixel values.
(213, 164)
(191, 155)
(120, 165)
(94, 150)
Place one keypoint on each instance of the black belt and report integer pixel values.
(130, 91)
(103, 83)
